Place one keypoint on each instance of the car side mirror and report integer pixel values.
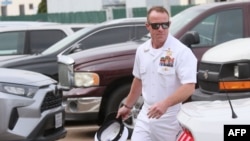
(190, 38)
(75, 48)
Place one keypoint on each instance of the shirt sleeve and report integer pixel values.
(136, 68)
(187, 67)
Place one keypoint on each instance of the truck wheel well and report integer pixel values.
(111, 89)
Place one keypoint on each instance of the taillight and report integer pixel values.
(185, 135)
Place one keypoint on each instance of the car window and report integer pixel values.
(206, 30)
(12, 43)
(220, 27)
(229, 26)
(42, 39)
(183, 18)
(107, 36)
(140, 31)
(68, 40)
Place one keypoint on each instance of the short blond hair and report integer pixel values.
(157, 9)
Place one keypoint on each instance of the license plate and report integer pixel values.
(58, 120)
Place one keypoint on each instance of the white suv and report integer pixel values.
(24, 39)
(24, 23)
(30, 106)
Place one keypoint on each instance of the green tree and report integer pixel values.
(42, 8)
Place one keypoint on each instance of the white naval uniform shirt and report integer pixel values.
(163, 70)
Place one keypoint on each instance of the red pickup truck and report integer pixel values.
(101, 77)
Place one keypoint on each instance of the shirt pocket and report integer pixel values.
(166, 70)
(166, 76)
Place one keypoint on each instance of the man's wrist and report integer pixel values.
(129, 107)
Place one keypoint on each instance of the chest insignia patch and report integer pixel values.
(167, 60)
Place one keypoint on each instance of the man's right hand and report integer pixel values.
(124, 112)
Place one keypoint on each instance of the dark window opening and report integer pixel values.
(4, 10)
(41, 40)
(21, 9)
(31, 6)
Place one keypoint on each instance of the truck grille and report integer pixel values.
(65, 73)
(208, 87)
(210, 67)
(52, 100)
(210, 84)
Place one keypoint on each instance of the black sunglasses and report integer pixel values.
(157, 25)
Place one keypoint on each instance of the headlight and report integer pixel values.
(20, 90)
(86, 79)
(240, 82)
(236, 71)
(241, 70)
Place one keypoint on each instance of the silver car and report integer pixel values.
(30, 106)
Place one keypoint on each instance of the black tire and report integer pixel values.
(115, 102)
(116, 98)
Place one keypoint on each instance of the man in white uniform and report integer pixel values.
(165, 74)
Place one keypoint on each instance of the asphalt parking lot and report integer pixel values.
(80, 131)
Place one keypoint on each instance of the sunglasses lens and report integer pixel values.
(165, 25)
(157, 25)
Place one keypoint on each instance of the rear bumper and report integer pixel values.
(200, 96)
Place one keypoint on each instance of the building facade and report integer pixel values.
(19, 7)
(30, 7)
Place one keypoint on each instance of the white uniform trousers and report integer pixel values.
(165, 128)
